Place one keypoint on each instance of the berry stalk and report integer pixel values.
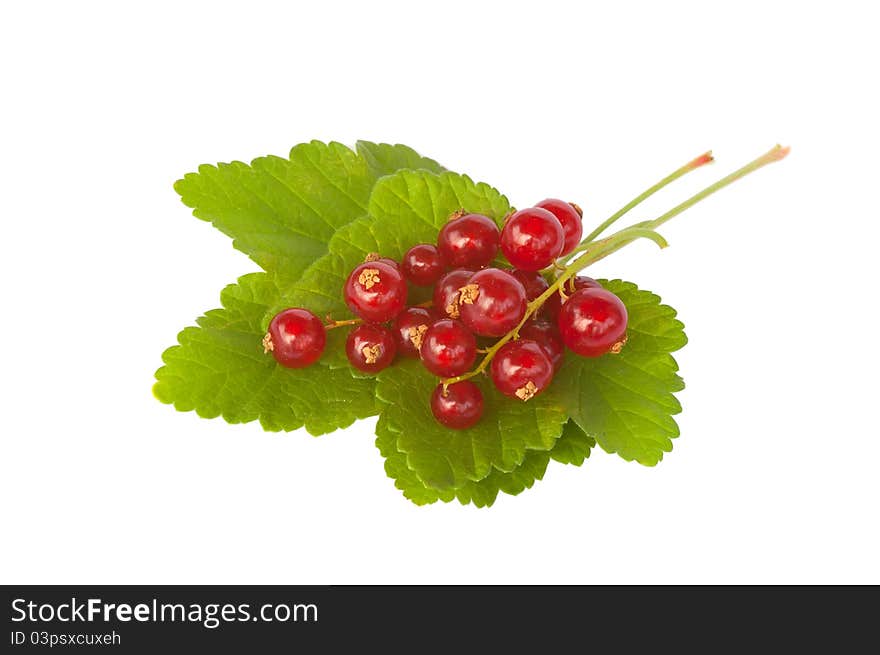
(598, 250)
(776, 153)
(705, 158)
(593, 251)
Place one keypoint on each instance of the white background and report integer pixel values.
(775, 476)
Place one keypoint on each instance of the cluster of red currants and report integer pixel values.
(471, 300)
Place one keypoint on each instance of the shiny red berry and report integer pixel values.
(546, 335)
(551, 306)
(468, 240)
(532, 239)
(375, 291)
(492, 302)
(409, 330)
(459, 407)
(532, 281)
(423, 264)
(570, 219)
(370, 348)
(521, 369)
(446, 292)
(448, 349)
(593, 322)
(296, 338)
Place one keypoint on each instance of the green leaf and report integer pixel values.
(574, 446)
(447, 459)
(385, 159)
(282, 212)
(626, 401)
(406, 208)
(308, 220)
(396, 468)
(219, 369)
(410, 207)
(481, 494)
(484, 492)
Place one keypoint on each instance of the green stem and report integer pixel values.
(598, 250)
(695, 163)
(593, 251)
(774, 154)
(332, 324)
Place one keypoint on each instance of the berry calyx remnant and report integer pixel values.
(409, 330)
(446, 293)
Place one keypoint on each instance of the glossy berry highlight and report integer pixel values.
(423, 264)
(592, 322)
(370, 348)
(521, 369)
(469, 240)
(448, 349)
(570, 219)
(459, 406)
(492, 302)
(532, 239)
(296, 338)
(375, 291)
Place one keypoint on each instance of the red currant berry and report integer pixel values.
(532, 238)
(409, 330)
(375, 291)
(570, 219)
(469, 240)
(446, 292)
(423, 265)
(521, 369)
(296, 338)
(532, 281)
(448, 349)
(459, 407)
(593, 322)
(546, 335)
(370, 348)
(492, 302)
(551, 306)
